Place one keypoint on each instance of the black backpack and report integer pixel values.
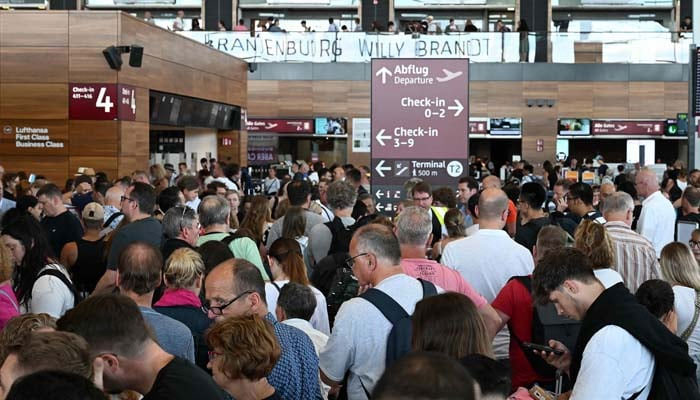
(77, 297)
(341, 235)
(336, 281)
(546, 325)
(399, 341)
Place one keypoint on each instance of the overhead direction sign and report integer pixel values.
(420, 113)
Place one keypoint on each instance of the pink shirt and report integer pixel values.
(442, 276)
(9, 307)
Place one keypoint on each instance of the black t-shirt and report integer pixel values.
(62, 229)
(147, 230)
(182, 380)
(90, 265)
(526, 235)
(692, 217)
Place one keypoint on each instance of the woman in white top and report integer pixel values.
(679, 268)
(37, 290)
(593, 240)
(287, 265)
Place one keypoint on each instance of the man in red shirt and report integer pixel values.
(514, 307)
(413, 230)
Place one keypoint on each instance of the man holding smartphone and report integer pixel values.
(621, 346)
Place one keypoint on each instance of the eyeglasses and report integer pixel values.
(127, 198)
(694, 244)
(568, 198)
(350, 262)
(219, 310)
(213, 355)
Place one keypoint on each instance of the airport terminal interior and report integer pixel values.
(349, 199)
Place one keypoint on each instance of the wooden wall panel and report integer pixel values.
(133, 138)
(478, 98)
(34, 28)
(33, 101)
(262, 98)
(645, 99)
(675, 98)
(505, 99)
(575, 99)
(34, 64)
(107, 165)
(93, 29)
(357, 104)
(94, 138)
(54, 168)
(610, 99)
(88, 65)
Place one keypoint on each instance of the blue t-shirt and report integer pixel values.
(172, 335)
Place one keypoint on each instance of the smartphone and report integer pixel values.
(32, 178)
(539, 347)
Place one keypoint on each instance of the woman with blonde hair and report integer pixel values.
(158, 178)
(454, 224)
(183, 276)
(9, 306)
(594, 241)
(287, 265)
(244, 352)
(679, 268)
(449, 323)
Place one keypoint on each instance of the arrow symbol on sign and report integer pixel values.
(380, 168)
(381, 138)
(379, 194)
(384, 71)
(457, 107)
(449, 75)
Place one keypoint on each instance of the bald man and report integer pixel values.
(658, 218)
(489, 257)
(112, 206)
(492, 181)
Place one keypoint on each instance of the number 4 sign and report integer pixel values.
(102, 101)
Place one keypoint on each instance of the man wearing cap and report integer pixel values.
(89, 265)
(63, 228)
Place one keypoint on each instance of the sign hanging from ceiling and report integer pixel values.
(420, 113)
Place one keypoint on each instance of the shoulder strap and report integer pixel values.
(429, 288)
(14, 303)
(58, 274)
(231, 237)
(275, 285)
(112, 218)
(686, 334)
(384, 303)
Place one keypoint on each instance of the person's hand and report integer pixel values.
(562, 362)
(561, 204)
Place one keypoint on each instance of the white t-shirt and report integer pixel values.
(684, 304)
(615, 366)
(657, 222)
(230, 185)
(193, 204)
(50, 295)
(608, 277)
(487, 259)
(320, 318)
(360, 333)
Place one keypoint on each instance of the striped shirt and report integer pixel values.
(635, 258)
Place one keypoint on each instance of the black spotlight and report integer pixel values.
(136, 56)
(113, 57)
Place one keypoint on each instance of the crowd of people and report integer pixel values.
(175, 284)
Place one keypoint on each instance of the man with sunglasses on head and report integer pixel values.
(236, 288)
(138, 203)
